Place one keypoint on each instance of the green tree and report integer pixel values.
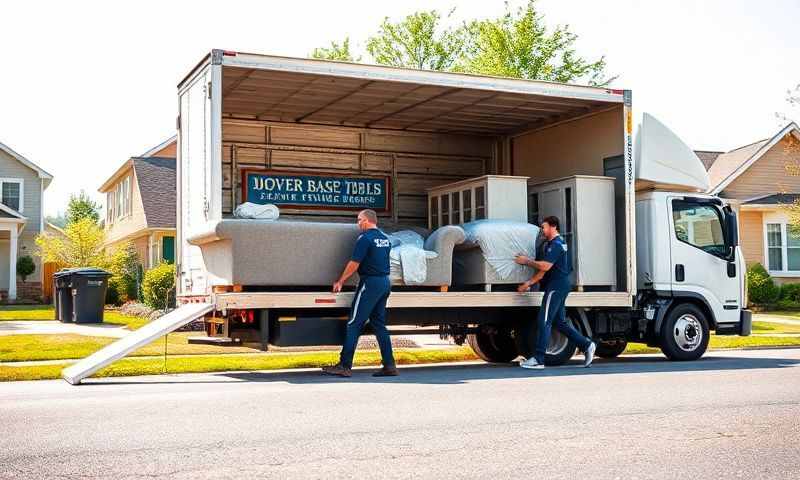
(337, 51)
(82, 206)
(417, 41)
(80, 246)
(520, 45)
(517, 44)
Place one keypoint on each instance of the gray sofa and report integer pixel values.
(298, 253)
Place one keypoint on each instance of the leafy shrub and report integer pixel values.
(790, 291)
(112, 293)
(158, 286)
(790, 296)
(760, 286)
(25, 266)
(124, 266)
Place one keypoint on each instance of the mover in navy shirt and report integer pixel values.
(553, 267)
(371, 259)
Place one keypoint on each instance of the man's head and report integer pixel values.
(550, 227)
(367, 219)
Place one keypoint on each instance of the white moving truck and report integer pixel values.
(679, 269)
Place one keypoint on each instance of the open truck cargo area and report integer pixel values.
(418, 130)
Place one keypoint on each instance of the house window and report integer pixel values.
(774, 247)
(783, 248)
(118, 201)
(110, 203)
(11, 190)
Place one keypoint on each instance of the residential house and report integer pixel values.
(22, 186)
(140, 205)
(764, 178)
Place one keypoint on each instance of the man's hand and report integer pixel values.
(522, 259)
(524, 287)
(337, 286)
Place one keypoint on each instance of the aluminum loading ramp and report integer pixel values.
(136, 339)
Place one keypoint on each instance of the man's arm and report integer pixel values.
(537, 264)
(536, 278)
(349, 270)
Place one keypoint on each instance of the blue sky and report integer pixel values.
(85, 85)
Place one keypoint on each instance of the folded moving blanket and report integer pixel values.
(408, 258)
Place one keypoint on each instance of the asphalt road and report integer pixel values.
(730, 415)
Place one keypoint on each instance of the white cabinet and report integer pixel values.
(584, 206)
(497, 197)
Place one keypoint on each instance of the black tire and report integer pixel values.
(493, 344)
(560, 349)
(611, 349)
(684, 334)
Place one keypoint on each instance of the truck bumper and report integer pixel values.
(742, 328)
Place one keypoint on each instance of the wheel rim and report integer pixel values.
(688, 333)
(558, 342)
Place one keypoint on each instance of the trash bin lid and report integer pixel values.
(82, 271)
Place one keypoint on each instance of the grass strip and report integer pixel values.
(220, 363)
(25, 348)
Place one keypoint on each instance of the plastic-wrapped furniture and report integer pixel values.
(299, 253)
(487, 255)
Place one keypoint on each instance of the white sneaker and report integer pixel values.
(531, 363)
(589, 355)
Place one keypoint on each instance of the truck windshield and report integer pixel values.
(699, 225)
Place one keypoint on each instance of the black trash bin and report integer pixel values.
(62, 295)
(88, 286)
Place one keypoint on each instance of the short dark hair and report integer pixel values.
(552, 220)
(370, 215)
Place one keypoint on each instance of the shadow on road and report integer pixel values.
(457, 374)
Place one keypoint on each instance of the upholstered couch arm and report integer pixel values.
(442, 241)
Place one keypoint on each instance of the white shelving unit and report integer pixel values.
(498, 197)
(584, 206)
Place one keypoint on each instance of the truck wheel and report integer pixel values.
(611, 349)
(685, 333)
(493, 344)
(559, 350)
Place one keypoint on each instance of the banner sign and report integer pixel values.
(335, 192)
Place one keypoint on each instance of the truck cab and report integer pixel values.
(690, 268)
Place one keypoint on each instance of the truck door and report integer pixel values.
(702, 265)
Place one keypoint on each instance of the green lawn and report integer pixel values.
(46, 312)
(220, 363)
(27, 312)
(727, 342)
(23, 348)
(769, 327)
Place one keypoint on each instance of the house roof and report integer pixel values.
(774, 199)
(728, 166)
(159, 147)
(42, 174)
(157, 188)
(707, 157)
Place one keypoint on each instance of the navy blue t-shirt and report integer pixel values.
(555, 252)
(372, 253)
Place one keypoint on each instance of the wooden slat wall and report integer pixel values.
(415, 161)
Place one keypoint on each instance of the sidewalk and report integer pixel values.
(45, 327)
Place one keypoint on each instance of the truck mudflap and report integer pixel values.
(742, 328)
(138, 338)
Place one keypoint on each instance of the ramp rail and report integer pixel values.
(175, 319)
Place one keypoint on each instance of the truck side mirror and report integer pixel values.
(731, 231)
